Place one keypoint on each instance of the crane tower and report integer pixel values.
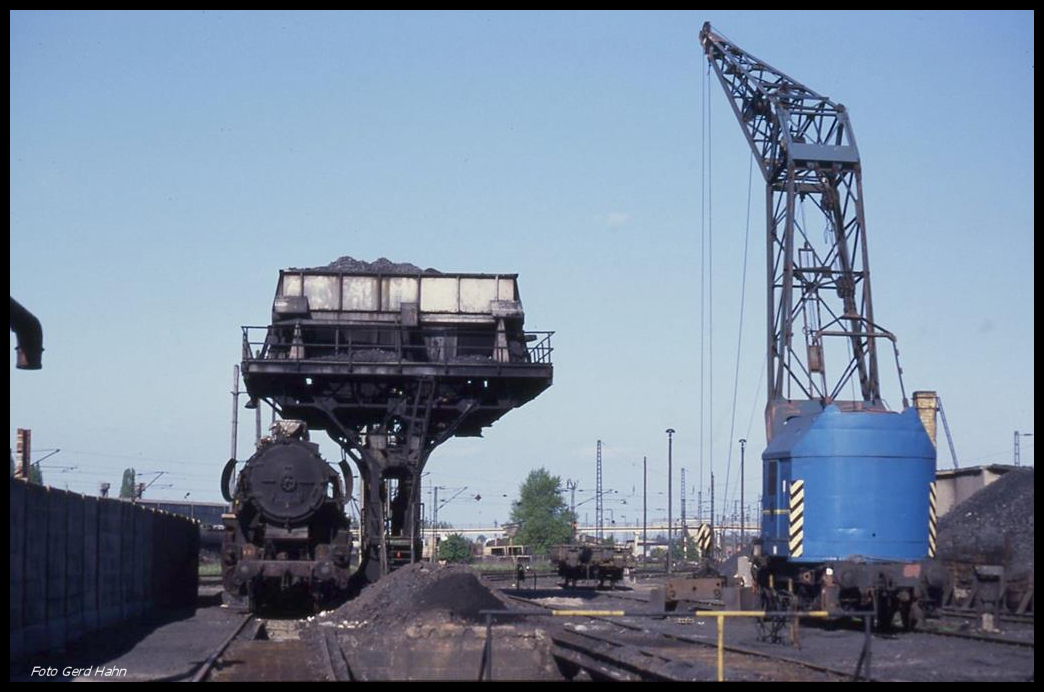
(843, 475)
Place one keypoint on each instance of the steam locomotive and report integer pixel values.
(287, 540)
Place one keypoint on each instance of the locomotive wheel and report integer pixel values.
(233, 601)
(769, 628)
(911, 616)
(885, 610)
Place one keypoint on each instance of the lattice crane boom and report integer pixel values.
(818, 285)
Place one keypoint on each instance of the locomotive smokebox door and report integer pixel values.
(287, 481)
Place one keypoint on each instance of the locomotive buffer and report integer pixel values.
(391, 365)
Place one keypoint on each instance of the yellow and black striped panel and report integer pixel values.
(931, 519)
(797, 518)
(704, 539)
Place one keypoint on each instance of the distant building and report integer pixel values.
(503, 547)
(206, 513)
(954, 486)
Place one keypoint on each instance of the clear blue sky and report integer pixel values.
(165, 166)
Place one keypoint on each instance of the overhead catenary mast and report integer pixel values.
(599, 507)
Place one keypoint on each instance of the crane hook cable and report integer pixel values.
(739, 340)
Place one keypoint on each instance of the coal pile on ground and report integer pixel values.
(420, 592)
(422, 622)
(382, 266)
(993, 526)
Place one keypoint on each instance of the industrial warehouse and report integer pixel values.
(424, 483)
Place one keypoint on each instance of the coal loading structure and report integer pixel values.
(391, 361)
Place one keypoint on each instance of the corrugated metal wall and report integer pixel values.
(80, 563)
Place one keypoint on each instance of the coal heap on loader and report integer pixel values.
(382, 265)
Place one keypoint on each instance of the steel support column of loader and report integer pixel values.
(383, 456)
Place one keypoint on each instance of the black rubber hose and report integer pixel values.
(30, 337)
(226, 479)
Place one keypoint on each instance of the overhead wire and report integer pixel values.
(739, 338)
(703, 258)
(710, 287)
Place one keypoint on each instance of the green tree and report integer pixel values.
(541, 513)
(692, 551)
(128, 489)
(685, 548)
(455, 548)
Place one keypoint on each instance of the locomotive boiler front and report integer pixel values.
(289, 536)
(286, 482)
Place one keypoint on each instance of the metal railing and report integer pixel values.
(395, 345)
(862, 670)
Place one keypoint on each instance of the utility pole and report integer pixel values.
(683, 502)
(645, 515)
(712, 515)
(142, 487)
(571, 487)
(670, 493)
(434, 521)
(743, 527)
(235, 410)
(599, 518)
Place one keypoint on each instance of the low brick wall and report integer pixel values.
(81, 563)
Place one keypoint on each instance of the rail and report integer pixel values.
(388, 344)
(208, 664)
(862, 667)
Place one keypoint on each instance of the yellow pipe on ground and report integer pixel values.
(720, 616)
(721, 648)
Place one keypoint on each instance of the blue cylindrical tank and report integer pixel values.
(842, 485)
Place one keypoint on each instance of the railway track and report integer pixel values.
(604, 647)
(267, 649)
(647, 653)
(942, 630)
(924, 628)
(1023, 618)
(509, 576)
(542, 575)
(1006, 652)
(834, 673)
